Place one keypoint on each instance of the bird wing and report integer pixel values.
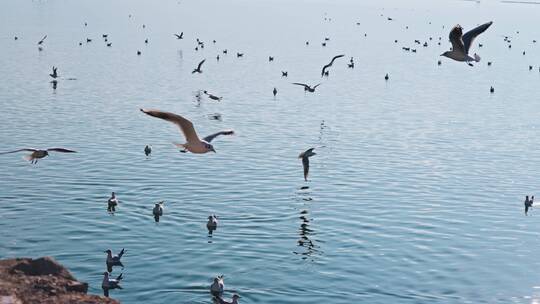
(316, 86)
(185, 125)
(177, 36)
(28, 149)
(42, 39)
(200, 64)
(305, 163)
(455, 38)
(301, 84)
(209, 138)
(61, 150)
(336, 57)
(468, 38)
(324, 68)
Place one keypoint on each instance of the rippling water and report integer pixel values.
(415, 193)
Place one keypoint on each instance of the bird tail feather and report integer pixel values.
(476, 58)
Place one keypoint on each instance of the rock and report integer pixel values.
(42, 281)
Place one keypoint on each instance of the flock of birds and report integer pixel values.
(461, 46)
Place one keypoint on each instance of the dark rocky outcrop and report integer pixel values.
(42, 281)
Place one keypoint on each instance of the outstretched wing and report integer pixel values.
(336, 57)
(185, 125)
(316, 86)
(20, 150)
(61, 150)
(455, 38)
(200, 64)
(209, 138)
(468, 38)
(301, 84)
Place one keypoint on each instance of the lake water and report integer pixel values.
(415, 194)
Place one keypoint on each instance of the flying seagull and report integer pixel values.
(193, 144)
(198, 69)
(330, 64)
(54, 73)
(114, 260)
(211, 96)
(305, 160)
(181, 36)
(42, 39)
(37, 154)
(306, 87)
(461, 43)
(108, 283)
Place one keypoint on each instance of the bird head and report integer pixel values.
(235, 296)
(105, 273)
(446, 54)
(46, 153)
(209, 147)
(108, 251)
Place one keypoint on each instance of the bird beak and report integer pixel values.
(213, 150)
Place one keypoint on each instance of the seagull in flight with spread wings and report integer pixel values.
(193, 144)
(42, 39)
(461, 43)
(307, 87)
(305, 160)
(37, 154)
(198, 69)
(330, 64)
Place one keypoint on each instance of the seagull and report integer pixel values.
(461, 43)
(330, 64)
(37, 154)
(147, 150)
(386, 77)
(306, 87)
(270, 58)
(216, 289)
(239, 54)
(181, 36)
(158, 210)
(284, 73)
(194, 144)
(42, 39)
(234, 300)
(113, 260)
(54, 74)
(305, 160)
(108, 284)
(492, 90)
(274, 92)
(198, 69)
(211, 96)
(212, 222)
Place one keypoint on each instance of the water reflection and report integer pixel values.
(306, 233)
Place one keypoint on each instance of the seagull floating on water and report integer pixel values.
(212, 222)
(216, 289)
(114, 260)
(194, 144)
(37, 153)
(305, 160)
(274, 92)
(108, 283)
(234, 300)
(158, 210)
(461, 43)
(147, 150)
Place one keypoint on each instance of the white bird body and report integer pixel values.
(217, 286)
(193, 144)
